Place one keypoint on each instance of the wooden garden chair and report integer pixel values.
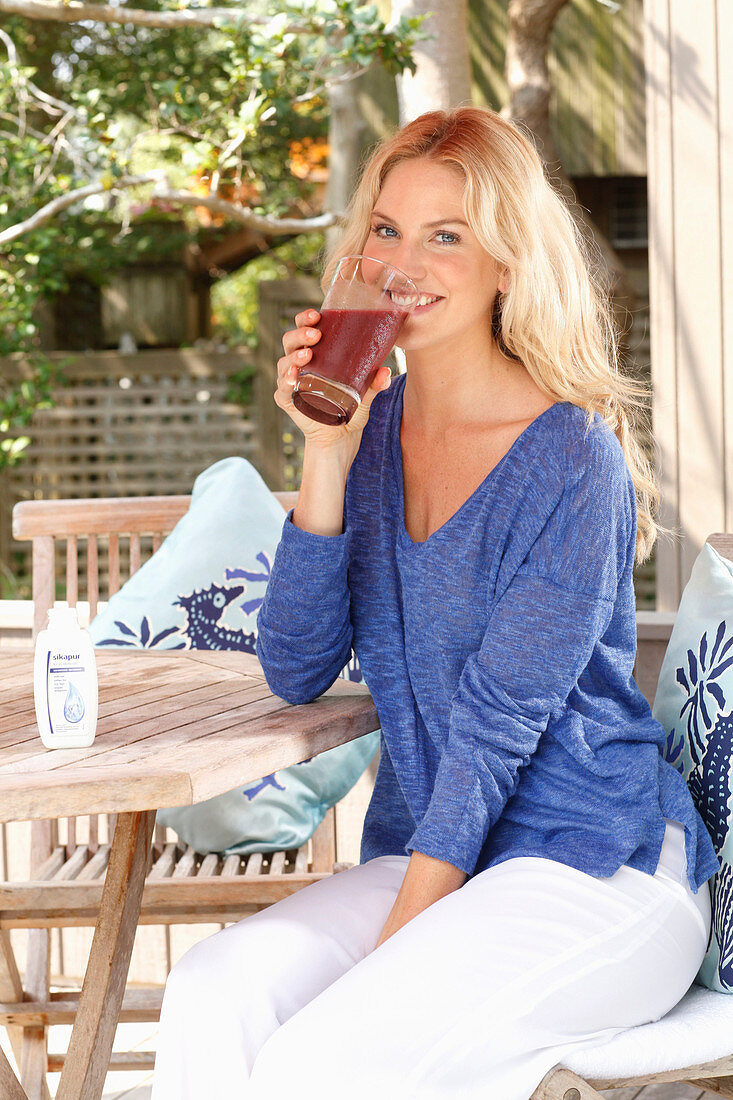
(76, 851)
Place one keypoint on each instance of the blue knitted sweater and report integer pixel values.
(499, 653)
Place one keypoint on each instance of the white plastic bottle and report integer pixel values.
(65, 682)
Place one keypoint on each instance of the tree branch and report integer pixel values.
(56, 206)
(74, 12)
(267, 224)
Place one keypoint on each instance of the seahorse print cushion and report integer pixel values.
(694, 703)
(202, 590)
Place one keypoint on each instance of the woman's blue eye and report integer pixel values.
(443, 236)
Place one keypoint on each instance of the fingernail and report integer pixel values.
(303, 354)
(311, 333)
(312, 314)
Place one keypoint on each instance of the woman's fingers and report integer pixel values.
(307, 317)
(305, 334)
(382, 381)
(296, 344)
(289, 365)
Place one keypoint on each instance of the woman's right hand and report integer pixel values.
(297, 345)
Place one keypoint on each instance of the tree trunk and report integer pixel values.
(528, 78)
(443, 75)
(345, 130)
(527, 74)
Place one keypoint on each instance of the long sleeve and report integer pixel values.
(304, 631)
(541, 633)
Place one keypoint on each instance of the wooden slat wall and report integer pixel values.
(690, 154)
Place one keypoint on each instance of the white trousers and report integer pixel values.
(479, 996)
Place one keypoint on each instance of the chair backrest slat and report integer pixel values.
(113, 565)
(92, 575)
(135, 556)
(72, 570)
(44, 580)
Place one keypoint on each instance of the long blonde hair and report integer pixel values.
(556, 316)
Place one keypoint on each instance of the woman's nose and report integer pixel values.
(410, 258)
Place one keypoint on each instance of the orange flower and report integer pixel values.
(308, 159)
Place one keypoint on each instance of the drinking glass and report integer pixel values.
(365, 307)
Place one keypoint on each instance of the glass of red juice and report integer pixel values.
(365, 307)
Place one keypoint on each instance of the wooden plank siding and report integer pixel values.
(724, 15)
(690, 153)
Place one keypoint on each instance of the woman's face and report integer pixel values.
(418, 225)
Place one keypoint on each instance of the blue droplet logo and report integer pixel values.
(74, 705)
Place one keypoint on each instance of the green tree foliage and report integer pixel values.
(216, 107)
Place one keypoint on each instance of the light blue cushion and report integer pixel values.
(202, 590)
(694, 703)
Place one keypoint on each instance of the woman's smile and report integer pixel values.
(424, 303)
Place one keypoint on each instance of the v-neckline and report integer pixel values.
(404, 534)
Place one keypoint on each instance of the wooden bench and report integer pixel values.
(69, 857)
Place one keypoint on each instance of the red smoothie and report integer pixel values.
(353, 345)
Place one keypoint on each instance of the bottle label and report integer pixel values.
(66, 707)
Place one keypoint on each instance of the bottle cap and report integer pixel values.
(62, 617)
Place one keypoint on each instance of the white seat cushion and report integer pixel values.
(698, 1029)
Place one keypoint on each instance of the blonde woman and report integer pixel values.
(533, 875)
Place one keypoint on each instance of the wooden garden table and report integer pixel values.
(174, 750)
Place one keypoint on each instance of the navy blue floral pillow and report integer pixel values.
(694, 703)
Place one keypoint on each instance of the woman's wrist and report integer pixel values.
(432, 878)
(426, 881)
(320, 507)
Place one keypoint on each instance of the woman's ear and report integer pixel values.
(503, 284)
